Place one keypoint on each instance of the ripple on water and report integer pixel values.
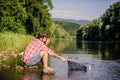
(100, 69)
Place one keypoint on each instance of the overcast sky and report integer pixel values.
(80, 9)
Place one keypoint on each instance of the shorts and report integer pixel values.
(35, 59)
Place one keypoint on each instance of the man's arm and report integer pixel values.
(54, 54)
(58, 56)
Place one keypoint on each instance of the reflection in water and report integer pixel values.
(103, 57)
(103, 50)
(32, 76)
(47, 77)
(25, 77)
(72, 75)
(75, 75)
(63, 46)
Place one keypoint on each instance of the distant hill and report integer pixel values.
(70, 27)
(82, 22)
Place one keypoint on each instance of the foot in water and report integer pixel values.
(48, 70)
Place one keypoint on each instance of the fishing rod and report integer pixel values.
(53, 32)
(72, 65)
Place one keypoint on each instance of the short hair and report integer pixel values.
(41, 34)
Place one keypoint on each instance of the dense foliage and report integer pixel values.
(107, 27)
(11, 42)
(111, 23)
(71, 28)
(59, 32)
(25, 16)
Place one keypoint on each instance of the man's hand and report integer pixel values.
(47, 41)
(58, 56)
(63, 59)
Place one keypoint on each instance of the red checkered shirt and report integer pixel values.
(34, 47)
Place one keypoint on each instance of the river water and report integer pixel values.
(102, 60)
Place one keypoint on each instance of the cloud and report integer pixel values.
(62, 13)
(69, 15)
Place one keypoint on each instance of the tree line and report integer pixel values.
(25, 16)
(32, 16)
(70, 27)
(105, 28)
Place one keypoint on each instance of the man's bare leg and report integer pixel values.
(46, 69)
(44, 56)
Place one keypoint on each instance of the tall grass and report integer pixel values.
(11, 42)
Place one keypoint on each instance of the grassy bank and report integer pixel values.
(11, 42)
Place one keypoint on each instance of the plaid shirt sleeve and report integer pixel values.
(45, 48)
(33, 48)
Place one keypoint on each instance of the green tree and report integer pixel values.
(31, 16)
(104, 28)
(12, 16)
(112, 18)
(39, 18)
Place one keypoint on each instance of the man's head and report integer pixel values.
(43, 36)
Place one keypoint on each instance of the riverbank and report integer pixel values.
(11, 46)
(13, 42)
(13, 61)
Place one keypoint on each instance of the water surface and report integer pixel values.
(102, 59)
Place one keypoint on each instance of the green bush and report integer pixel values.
(10, 42)
(9, 24)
